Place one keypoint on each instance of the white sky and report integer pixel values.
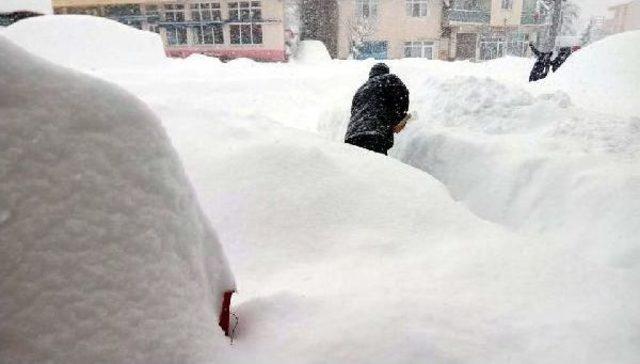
(596, 7)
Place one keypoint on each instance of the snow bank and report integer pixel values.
(86, 42)
(105, 255)
(533, 163)
(36, 6)
(363, 259)
(312, 51)
(604, 74)
(346, 256)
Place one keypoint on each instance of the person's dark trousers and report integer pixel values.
(373, 143)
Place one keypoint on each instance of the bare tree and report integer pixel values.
(359, 30)
(570, 15)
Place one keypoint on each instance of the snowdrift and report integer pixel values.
(105, 255)
(363, 259)
(604, 74)
(86, 42)
(36, 6)
(311, 52)
(523, 248)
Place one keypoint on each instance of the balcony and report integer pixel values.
(534, 19)
(480, 16)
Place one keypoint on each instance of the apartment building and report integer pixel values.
(390, 29)
(439, 29)
(488, 29)
(625, 17)
(221, 28)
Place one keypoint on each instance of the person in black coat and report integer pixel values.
(562, 56)
(378, 110)
(541, 67)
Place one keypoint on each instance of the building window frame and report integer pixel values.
(507, 4)
(175, 13)
(245, 11)
(207, 34)
(420, 49)
(206, 12)
(367, 9)
(417, 8)
(246, 34)
(176, 36)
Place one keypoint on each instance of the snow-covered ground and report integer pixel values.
(503, 230)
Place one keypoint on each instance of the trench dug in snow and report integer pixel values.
(530, 161)
(344, 256)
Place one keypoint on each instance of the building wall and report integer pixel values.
(506, 17)
(392, 25)
(272, 47)
(625, 17)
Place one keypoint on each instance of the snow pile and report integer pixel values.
(362, 259)
(312, 51)
(533, 163)
(86, 42)
(105, 255)
(36, 6)
(523, 248)
(604, 74)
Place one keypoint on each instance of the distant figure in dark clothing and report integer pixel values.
(378, 110)
(541, 67)
(562, 56)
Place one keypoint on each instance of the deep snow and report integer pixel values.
(523, 250)
(82, 41)
(36, 6)
(105, 255)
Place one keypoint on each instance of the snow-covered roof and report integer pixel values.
(36, 6)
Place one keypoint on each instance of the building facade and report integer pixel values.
(439, 29)
(488, 29)
(225, 29)
(391, 29)
(626, 17)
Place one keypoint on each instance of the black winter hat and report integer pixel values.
(379, 70)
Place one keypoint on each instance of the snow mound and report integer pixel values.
(242, 63)
(200, 60)
(362, 259)
(105, 255)
(312, 51)
(86, 42)
(534, 163)
(36, 6)
(604, 74)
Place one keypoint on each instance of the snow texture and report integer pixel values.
(513, 240)
(523, 250)
(87, 42)
(36, 6)
(594, 72)
(311, 52)
(105, 255)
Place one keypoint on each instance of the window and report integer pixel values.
(419, 49)
(367, 8)
(507, 4)
(174, 12)
(417, 8)
(176, 35)
(208, 34)
(246, 33)
(206, 12)
(245, 11)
